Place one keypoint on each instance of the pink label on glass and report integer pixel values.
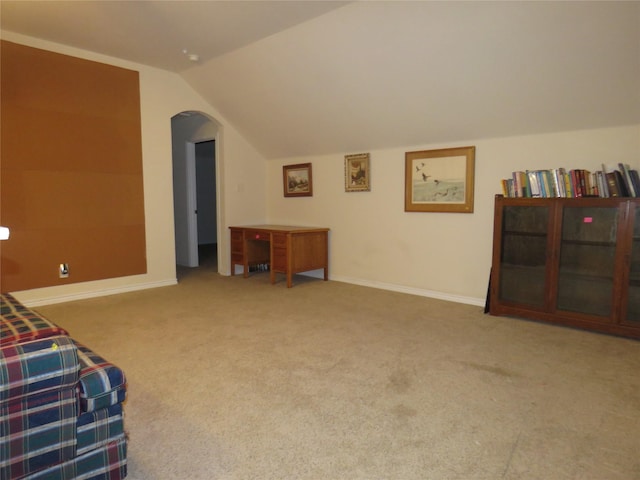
(587, 219)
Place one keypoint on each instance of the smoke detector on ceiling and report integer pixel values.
(194, 57)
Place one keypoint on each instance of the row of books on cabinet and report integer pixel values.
(620, 181)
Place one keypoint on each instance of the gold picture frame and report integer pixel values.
(440, 180)
(357, 173)
(297, 180)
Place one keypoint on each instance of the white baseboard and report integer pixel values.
(479, 302)
(94, 293)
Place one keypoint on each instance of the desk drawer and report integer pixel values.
(279, 260)
(236, 241)
(279, 240)
(257, 235)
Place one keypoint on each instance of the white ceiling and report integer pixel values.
(156, 33)
(304, 78)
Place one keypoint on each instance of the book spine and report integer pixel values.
(612, 184)
(543, 187)
(558, 179)
(575, 183)
(626, 176)
(635, 180)
(505, 187)
(516, 184)
(568, 186)
(534, 184)
(624, 192)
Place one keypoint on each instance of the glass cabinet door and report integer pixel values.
(587, 259)
(633, 296)
(524, 255)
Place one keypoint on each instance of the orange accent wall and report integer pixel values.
(71, 179)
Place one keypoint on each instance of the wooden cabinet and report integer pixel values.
(571, 261)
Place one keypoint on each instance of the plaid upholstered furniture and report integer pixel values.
(60, 403)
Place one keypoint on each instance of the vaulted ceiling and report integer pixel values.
(315, 77)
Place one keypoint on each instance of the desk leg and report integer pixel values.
(290, 256)
(326, 256)
(245, 258)
(272, 272)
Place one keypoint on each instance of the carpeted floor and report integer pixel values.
(233, 378)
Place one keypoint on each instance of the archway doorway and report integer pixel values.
(195, 189)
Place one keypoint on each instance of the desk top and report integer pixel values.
(281, 228)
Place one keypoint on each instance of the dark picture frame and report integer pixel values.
(297, 180)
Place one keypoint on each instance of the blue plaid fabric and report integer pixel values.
(102, 384)
(19, 324)
(60, 403)
(36, 432)
(104, 463)
(9, 304)
(38, 366)
(99, 428)
(38, 405)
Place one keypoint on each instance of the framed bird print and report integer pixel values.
(440, 180)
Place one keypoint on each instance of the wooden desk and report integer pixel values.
(285, 249)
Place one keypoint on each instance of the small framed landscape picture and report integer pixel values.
(357, 173)
(439, 180)
(297, 180)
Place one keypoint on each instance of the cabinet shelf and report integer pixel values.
(516, 233)
(566, 261)
(589, 243)
(569, 276)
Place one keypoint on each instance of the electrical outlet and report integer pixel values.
(63, 270)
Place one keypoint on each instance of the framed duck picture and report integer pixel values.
(439, 180)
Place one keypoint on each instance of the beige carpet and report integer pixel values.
(233, 378)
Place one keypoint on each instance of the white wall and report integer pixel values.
(372, 241)
(444, 255)
(164, 94)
